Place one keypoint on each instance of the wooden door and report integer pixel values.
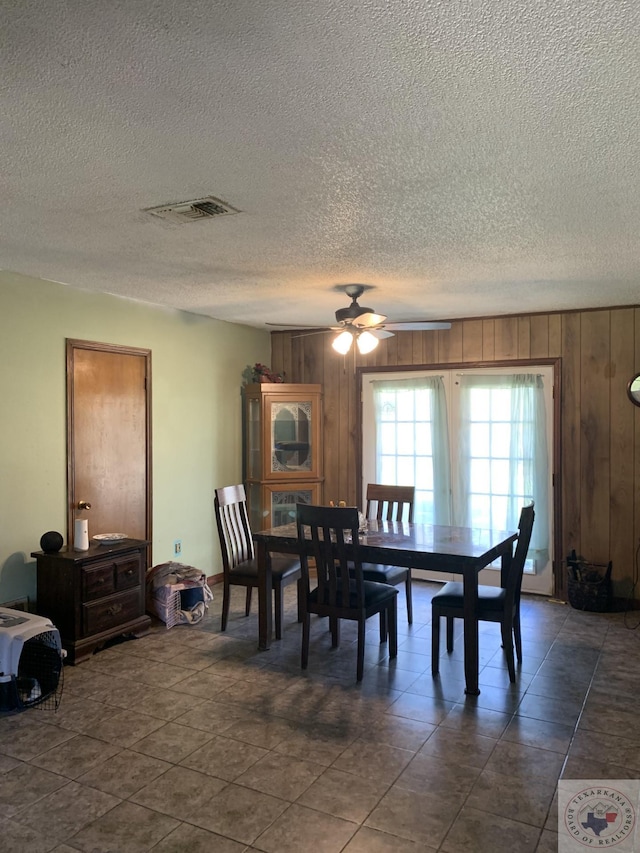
(109, 438)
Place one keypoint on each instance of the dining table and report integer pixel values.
(438, 548)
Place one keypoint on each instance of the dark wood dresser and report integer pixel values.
(95, 595)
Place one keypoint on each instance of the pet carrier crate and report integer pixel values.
(177, 594)
(31, 662)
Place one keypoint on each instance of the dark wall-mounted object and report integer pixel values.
(51, 542)
(633, 389)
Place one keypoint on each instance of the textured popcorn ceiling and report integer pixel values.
(465, 157)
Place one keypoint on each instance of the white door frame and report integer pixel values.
(542, 583)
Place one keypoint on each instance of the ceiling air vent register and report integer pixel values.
(193, 211)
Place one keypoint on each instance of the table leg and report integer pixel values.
(471, 656)
(264, 596)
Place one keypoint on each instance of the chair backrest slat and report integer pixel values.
(232, 518)
(329, 530)
(390, 502)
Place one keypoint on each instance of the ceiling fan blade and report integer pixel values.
(380, 333)
(312, 332)
(298, 326)
(365, 321)
(417, 326)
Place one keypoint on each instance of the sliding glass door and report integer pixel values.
(476, 444)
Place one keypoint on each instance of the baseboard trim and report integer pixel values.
(17, 604)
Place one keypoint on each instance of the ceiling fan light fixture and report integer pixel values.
(365, 321)
(342, 343)
(366, 342)
(363, 324)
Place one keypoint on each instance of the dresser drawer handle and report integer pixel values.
(114, 610)
(129, 572)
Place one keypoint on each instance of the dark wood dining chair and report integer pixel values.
(391, 503)
(495, 604)
(329, 535)
(239, 564)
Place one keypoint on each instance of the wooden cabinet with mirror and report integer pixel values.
(282, 450)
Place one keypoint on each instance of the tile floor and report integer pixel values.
(190, 739)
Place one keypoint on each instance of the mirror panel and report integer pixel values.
(291, 436)
(633, 390)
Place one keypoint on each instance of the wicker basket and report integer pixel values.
(588, 584)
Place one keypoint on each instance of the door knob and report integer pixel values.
(84, 505)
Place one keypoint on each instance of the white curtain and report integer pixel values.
(434, 387)
(527, 456)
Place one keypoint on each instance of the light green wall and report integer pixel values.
(197, 365)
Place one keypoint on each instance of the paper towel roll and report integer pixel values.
(81, 535)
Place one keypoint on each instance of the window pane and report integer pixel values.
(501, 404)
(424, 472)
(423, 406)
(480, 404)
(388, 438)
(405, 436)
(405, 445)
(424, 439)
(519, 478)
(405, 406)
(480, 511)
(387, 469)
(500, 440)
(404, 471)
(499, 512)
(388, 407)
(423, 509)
(480, 475)
(479, 445)
(500, 476)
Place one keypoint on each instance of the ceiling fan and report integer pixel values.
(356, 322)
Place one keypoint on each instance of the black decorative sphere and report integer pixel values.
(51, 541)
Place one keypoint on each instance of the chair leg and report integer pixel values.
(334, 627)
(435, 644)
(384, 630)
(277, 591)
(392, 623)
(361, 635)
(507, 644)
(300, 594)
(449, 634)
(247, 606)
(225, 605)
(518, 637)
(409, 598)
(306, 631)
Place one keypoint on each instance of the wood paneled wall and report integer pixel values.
(599, 352)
